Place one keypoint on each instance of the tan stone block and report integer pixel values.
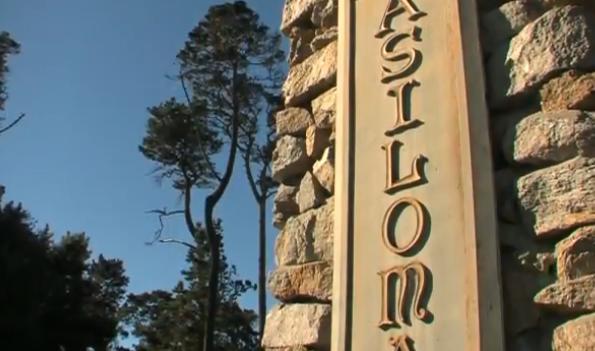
(313, 281)
(292, 325)
(311, 77)
(558, 198)
(289, 158)
(569, 297)
(325, 13)
(323, 39)
(563, 38)
(324, 109)
(544, 138)
(310, 194)
(576, 335)
(316, 141)
(501, 24)
(573, 90)
(285, 200)
(293, 121)
(324, 170)
(307, 237)
(300, 48)
(295, 12)
(576, 254)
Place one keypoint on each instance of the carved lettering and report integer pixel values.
(389, 224)
(393, 9)
(402, 118)
(393, 181)
(400, 343)
(410, 56)
(402, 276)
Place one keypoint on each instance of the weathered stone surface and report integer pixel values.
(573, 90)
(316, 141)
(307, 237)
(563, 38)
(547, 137)
(293, 121)
(503, 23)
(299, 48)
(324, 14)
(289, 158)
(576, 254)
(324, 109)
(505, 180)
(311, 281)
(572, 296)
(285, 200)
(295, 325)
(323, 39)
(324, 170)
(311, 77)
(296, 12)
(310, 194)
(558, 198)
(576, 335)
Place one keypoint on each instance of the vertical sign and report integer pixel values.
(416, 252)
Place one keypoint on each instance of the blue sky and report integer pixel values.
(86, 74)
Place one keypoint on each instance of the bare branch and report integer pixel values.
(180, 242)
(14, 123)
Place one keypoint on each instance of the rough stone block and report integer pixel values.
(307, 237)
(310, 194)
(316, 141)
(561, 39)
(285, 200)
(569, 297)
(324, 170)
(295, 325)
(503, 23)
(311, 281)
(323, 39)
(289, 158)
(576, 335)
(313, 76)
(325, 13)
(293, 121)
(573, 90)
(300, 48)
(324, 109)
(576, 254)
(549, 137)
(558, 198)
(297, 12)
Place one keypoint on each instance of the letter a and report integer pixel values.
(393, 9)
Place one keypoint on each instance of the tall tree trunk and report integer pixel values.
(213, 298)
(262, 259)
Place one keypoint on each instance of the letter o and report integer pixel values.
(419, 213)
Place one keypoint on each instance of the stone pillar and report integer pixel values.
(540, 57)
(304, 165)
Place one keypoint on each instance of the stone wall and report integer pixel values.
(539, 60)
(304, 165)
(540, 70)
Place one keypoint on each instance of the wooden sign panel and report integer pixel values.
(416, 251)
